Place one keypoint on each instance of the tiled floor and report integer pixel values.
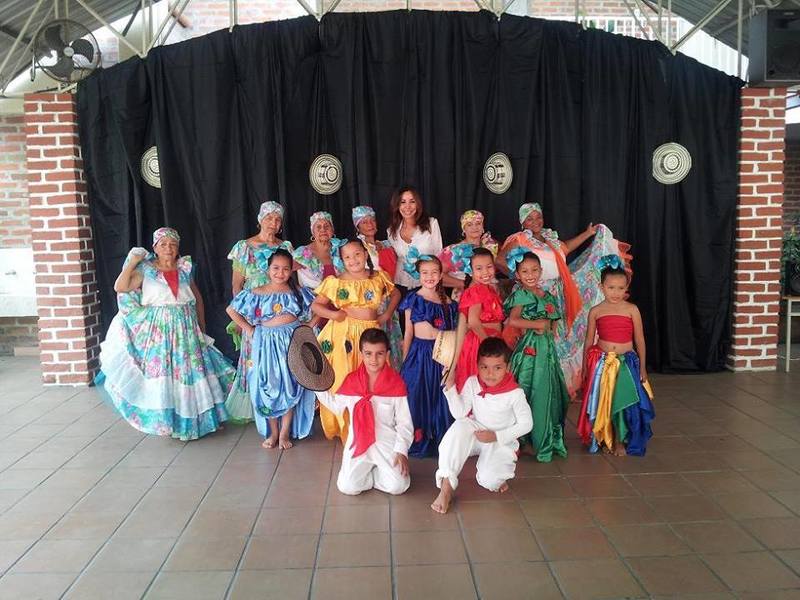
(90, 508)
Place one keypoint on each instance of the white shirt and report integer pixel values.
(393, 426)
(507, 414)
(427, 242)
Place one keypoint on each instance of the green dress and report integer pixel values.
(535, 366)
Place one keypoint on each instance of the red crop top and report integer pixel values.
(617, 329)
(489, 300)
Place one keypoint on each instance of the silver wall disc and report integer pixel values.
(497, 173)
(671, 163)
(325, 174)
(150, 170)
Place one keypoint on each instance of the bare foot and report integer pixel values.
(442, 503)
(619, 450)
(270, 442)
(285, 443)
(503, 488)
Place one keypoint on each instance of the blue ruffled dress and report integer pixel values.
(423, 376)
(273, 389)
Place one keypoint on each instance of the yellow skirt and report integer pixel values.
(339, 341)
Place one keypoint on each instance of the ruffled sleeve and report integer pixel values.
(476, 294)
(308, 297)
(328, 288)
(386, 281)
(520, 297)
(408, 302)
(238, 255)
(245, 303)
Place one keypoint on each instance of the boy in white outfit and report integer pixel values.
(490, 414)
(376, 451)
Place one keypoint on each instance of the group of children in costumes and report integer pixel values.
(506, 386)
(502, 390)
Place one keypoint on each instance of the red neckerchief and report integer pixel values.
(171, 277)
(389, 383)
(506, 385)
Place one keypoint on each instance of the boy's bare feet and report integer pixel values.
(442, 503)
(270, 442)
(503, 488)
(285, 443)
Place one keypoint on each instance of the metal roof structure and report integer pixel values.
(20, 20)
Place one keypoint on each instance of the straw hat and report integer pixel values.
(444, 350)
(307, 362)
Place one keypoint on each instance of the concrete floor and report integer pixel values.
(90, 508)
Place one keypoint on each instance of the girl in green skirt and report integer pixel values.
(534, 362)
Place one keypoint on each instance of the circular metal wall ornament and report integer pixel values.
(325, 174)
(497, 173)
(150, 169)
(671, 163)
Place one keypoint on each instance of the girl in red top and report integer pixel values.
(482, 307)
(617, 408)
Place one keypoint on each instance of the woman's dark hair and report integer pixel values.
(423, 220)
(370, 266)
(477, 252)
(373, 335)
(439, 287)
(283, 253)
(609, 271)
(494, 346)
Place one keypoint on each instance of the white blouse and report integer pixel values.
(427, 242)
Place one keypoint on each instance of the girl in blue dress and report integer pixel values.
(428, 311)
(269, 314)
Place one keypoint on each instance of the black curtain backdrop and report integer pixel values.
(424, 98)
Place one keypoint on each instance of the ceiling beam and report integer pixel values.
(13, 33)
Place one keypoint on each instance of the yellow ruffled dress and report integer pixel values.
(339, 339)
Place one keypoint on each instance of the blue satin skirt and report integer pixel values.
(273, 389)
(427, 403)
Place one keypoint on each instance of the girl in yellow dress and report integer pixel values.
(351, 303)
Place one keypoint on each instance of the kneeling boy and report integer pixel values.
(376, 451)
(490, 414)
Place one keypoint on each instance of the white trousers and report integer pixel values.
(496, 462)
(373, 469)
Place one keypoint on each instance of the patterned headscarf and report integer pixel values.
(269, 207)
(469, 216)
(526, 209)
(165, 232)
(320, 215)
(360, 213)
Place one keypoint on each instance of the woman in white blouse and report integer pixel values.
(412, 233)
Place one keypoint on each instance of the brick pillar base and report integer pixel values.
(66, 287)
(758, 231)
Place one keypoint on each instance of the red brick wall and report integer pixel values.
(66, 288)
(758, 230)
(15, 229)
(791, 200)
(18, 332)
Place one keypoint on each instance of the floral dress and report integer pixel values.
(535, 366)
(245, 262)
(163, 374)
(339, 339)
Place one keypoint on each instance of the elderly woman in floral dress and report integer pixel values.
(576, 287)
(159, 368)
(248, 274)
(455, 257)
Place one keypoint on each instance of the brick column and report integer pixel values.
(758, 231)
(66, 287)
